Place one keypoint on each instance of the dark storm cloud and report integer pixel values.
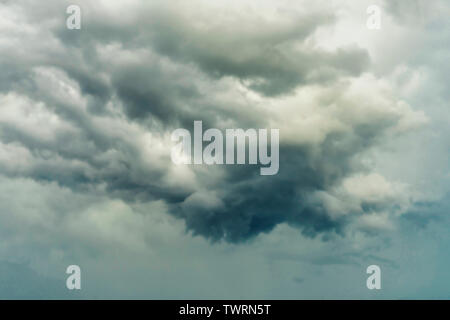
(251, 204)
(268, 56)
(114, 81)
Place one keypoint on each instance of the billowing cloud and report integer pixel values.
(86, 118)
(93, 109)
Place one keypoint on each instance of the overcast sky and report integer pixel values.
(86, 176)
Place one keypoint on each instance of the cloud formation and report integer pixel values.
(85, 170)
(92, 110)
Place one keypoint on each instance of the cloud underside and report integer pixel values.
(92, 110)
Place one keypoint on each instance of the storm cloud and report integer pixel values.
(86, 175)
(92, 110)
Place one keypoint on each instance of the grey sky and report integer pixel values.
(85, 170)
